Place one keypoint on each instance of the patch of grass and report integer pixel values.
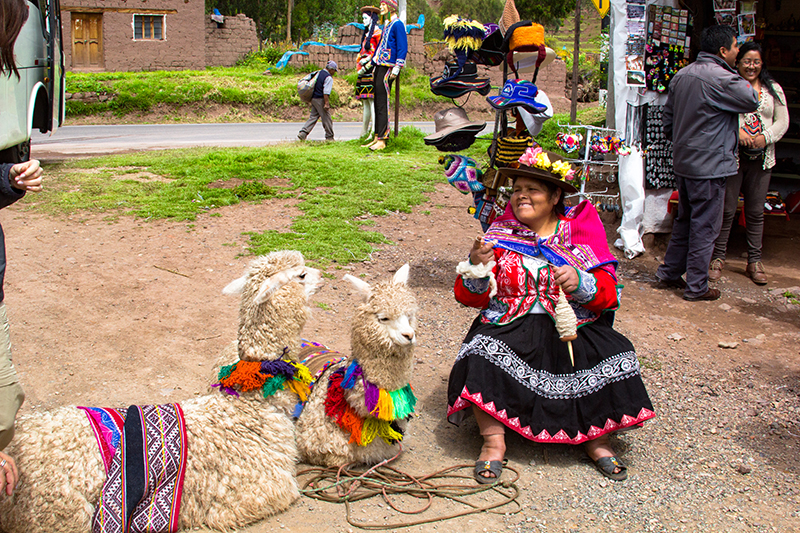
(324, 306)
(334, 192)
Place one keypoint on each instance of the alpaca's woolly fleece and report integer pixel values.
(240, 467)
(266, 329)
(383, 334)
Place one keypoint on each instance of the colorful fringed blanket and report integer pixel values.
(386, 407)
(144, 482)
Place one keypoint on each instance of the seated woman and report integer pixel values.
(513, 370)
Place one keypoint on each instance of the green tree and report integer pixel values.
(545, 12)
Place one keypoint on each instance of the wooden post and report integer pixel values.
(290, 7)
(576, 54)
(397, 105)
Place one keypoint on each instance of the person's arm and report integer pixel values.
(666, 116)
(475, 284)
(9, 475)
(596, 291)
(16, 179)
(733, 94)
(327, 87)
(401, 46)
(780, 118)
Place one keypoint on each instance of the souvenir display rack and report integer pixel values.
(590, 165)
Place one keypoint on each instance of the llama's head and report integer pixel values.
(274, 307)
(388, 315)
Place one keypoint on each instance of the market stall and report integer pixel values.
(650, 41)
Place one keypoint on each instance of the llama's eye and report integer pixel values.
(303, 275)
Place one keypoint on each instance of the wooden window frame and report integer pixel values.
(152, 17)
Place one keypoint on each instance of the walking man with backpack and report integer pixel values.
(320, 103)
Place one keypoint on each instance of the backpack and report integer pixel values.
(305, 86)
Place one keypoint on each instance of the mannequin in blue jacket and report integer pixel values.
(389, 58)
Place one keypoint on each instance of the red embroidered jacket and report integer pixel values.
(519, 287)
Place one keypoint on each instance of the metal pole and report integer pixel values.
(576, 54)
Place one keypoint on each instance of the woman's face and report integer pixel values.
(366, 18)
(531, 201)
(750, 65)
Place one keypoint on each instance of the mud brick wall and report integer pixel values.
(231, 41)
(349, 35)
(182, 48)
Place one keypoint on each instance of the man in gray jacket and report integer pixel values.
(701, 117)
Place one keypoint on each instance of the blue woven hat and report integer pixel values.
(517, 93)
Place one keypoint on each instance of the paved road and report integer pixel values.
(70, 141)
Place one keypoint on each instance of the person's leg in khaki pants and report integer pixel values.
(11, 393)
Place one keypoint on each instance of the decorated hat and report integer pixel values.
(463, 36)
(452, 120)
(539, 164)
(489, 53)
(391, 3)
(517, 93)
(462, 172)
(370, 9)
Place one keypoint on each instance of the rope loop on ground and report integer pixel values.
(353, 483)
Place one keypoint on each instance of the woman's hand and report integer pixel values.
(26, 176)
(567, 277)
(482, 252)
(759, 141)
(9, 476)
(744, 138)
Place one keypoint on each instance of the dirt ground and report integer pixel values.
(114, 313)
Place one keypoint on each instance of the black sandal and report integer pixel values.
(493, 467)
(607, 465)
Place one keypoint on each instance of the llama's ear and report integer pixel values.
(272, 284)
(236, 286)
(361, 286)
(401, 276)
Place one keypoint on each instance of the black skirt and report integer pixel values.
(521, 375)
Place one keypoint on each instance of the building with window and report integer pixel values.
(121, 35)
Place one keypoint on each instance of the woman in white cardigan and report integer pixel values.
(758, 133)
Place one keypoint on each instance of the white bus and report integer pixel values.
(36, 99)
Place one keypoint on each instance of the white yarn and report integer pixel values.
(566, 321)
(469, 271)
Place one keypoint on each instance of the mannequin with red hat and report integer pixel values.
(389, 58)
(365, 84)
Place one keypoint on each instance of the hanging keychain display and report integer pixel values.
(657, 151)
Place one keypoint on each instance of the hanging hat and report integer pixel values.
(517, 93)
(455, 142)
(370, 9)
(463, 36)
(524, 36)
(460, 86)
(509, 17)
(462, 172)
(448, 121)
(546, 166)
(525, 62)
(489, 53)
(391, 3)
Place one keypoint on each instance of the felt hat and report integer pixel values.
(455, 142)
(391, 3)
(370, 9)
(462, 172)
(541, 165)
(448, 121)
(489, 53)
(460, 86)
(517, 93)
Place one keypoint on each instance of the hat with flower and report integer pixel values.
(540, 164)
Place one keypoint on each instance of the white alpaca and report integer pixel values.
(241, 451)
(383, 336)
